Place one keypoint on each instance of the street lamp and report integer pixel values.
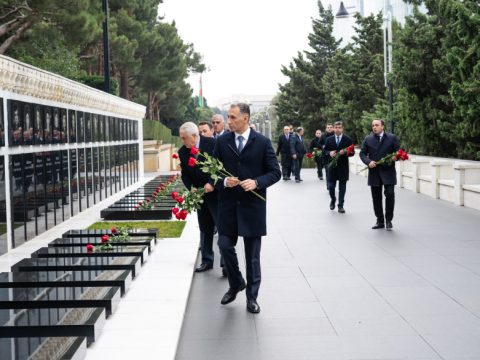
(387, 50)
(106, 48)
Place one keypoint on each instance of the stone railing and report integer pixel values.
(158, 156)
(19, 78)
(453, 180)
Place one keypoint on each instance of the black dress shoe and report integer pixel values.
(341, 210)
(231, 294)
(224, 272)
(204, 267)
(378, 225)
(389, 225)
(252, 306)
(332, 204)
(297, 181)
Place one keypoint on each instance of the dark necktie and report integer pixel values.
(240, 143)
(338, 140)
(378, 138)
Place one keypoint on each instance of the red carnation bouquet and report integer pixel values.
(188, 202)
(213, 167)
(400, 155)
(315, 152)
(343, 152)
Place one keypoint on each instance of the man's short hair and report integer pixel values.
(299, 129)
(244, 108)
(218, 116)
(338, 123)
(190, 128)
(381, 121)
(329, 124)
(209, 124)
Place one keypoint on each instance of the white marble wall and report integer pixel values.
(453, 180)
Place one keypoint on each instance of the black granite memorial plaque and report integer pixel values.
(42, 348)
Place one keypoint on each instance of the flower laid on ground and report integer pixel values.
(187, 203)
(161, 191)
(105, 245)
(120, 234)
(213, 167)
(343, 152)
(400, 155)
(144, 205)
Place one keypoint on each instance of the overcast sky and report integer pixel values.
(243, 42)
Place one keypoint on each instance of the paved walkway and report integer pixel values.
(332, 288)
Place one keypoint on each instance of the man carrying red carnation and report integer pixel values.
(376, 146)
(193, 176)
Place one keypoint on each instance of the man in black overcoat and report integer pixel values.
(194, 177)
(376, 146)
(283, 148)
(316, 143)
(250, 158)
(297, 151)
(337, 144)
(323, 140)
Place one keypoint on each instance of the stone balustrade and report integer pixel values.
(23, 79)
(453, 180)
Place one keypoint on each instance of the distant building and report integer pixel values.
(257, 102)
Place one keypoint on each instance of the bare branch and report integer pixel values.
(17, 9)
(7, 43)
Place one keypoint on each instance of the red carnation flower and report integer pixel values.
(140, 203)
(105, 238)
(175, 210)
(147, 200)
(183, 214)
(193, 151)
(89, 247)
(179, 199)
(175, 156)
(174, 195)
(192, 162)
(309, 155)
(113, 230)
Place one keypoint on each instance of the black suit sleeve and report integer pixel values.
(364, 153)
(279, 146)
(272, 171)
(293, 141)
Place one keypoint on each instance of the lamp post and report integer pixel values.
(106, 48)
(387, 50)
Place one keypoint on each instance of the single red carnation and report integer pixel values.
(179, 199)
(175, 210)
(113, 230)
(193, 151)
(174, 195)
(105, 238)
(192, 162)
(89, 247)
(309, 155)
(175, 156)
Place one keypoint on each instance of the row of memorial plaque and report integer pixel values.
(34, 124)
(50, 187)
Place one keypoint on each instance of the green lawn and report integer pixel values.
(166, 229)
(3, 227)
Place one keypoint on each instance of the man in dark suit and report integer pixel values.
(335, 145)
(250, 157)
(218, 123)
(298, 151)
(323, 140)
(376, 146)
(194, 177)
(316, 143)
(283, 148)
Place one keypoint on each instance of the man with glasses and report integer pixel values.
(375, 146)
(218, 123)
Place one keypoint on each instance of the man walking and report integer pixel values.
(297, 151)
(375, 146)
(323, 140)
(250, 157)
(335, 147)
(316, 143)
(194, 177)
(283, 148)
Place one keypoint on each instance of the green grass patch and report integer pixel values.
(3, 227)
(166, 229)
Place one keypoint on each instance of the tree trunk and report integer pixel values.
(124, 85)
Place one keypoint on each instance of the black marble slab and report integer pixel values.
(104, 263)
(71, 297)
(101, 232)
(63, 279)
(124, 214)
(74, 252)
(149, 242)
(43, 348)
(57, 322)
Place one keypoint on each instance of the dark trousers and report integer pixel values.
(342, 189)
(319, 162)
(252, 257)
(286, 166)
(297, 166)
(206, 220)
(378, 202)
